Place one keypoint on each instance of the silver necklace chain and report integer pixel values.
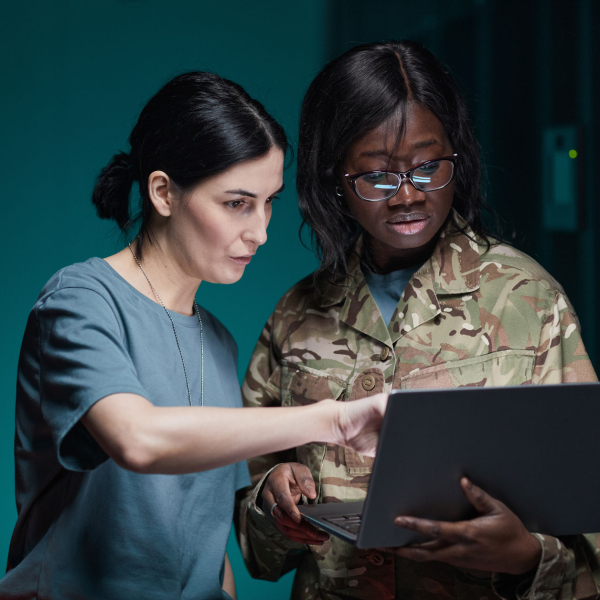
(187, 383)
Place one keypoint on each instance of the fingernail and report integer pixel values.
(311, 490)
(400, 521)
(297, 518)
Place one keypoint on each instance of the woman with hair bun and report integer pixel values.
(412, 292)
(130, 439)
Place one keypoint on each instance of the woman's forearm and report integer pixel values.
(149, 439)
(212, 437)
(228, 579)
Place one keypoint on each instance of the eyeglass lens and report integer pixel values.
(383, 185)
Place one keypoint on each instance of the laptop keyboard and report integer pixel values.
(350, 523)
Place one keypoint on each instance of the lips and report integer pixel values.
(242, 260)
(409, 224)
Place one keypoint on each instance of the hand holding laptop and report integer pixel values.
(496, 540)
(280, 496)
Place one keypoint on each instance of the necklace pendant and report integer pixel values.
(187, 383)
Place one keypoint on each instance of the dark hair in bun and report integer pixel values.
(197, 125)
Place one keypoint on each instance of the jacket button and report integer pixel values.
(376, 558)
(385, 354)
(368, 383)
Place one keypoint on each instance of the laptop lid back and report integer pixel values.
(533, 447)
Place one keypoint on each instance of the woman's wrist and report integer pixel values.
(325, 421)
(532, 554)
(354, 424)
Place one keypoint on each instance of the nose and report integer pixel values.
(407, 194)
(256, 232)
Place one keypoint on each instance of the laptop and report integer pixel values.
(533, 447)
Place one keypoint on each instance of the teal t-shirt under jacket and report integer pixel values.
(388, 289)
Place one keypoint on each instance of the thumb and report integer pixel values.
(360, 422)
(483, 502)
(379, 404)
(304, 480)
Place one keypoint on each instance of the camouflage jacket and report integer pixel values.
(466, 318)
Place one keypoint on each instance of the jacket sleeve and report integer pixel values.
(570, 567)
(268, 554)
(561, 356)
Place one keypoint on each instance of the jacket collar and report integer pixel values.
(455, 261)
(453, 268)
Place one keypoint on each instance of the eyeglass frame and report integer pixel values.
(402, 175)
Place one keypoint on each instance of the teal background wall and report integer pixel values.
(74, 76)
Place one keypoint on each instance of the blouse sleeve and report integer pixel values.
(82, 359)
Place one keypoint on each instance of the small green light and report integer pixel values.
(573, 153)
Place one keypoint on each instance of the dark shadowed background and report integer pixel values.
(76, 74)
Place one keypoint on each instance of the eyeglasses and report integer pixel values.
(428, 176)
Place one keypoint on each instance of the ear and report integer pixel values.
(161, 192)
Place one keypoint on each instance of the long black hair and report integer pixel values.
(197, 125)
(352, 95)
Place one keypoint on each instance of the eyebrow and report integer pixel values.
(426, 143)
(386, 154)
(375, 153)
(240, 192)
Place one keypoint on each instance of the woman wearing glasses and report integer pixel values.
(412, 292)
(129, 436)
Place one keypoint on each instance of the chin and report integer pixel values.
(409, 242)
(225, 277)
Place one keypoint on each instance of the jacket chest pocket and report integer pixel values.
(301, 388)
(506, 367)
